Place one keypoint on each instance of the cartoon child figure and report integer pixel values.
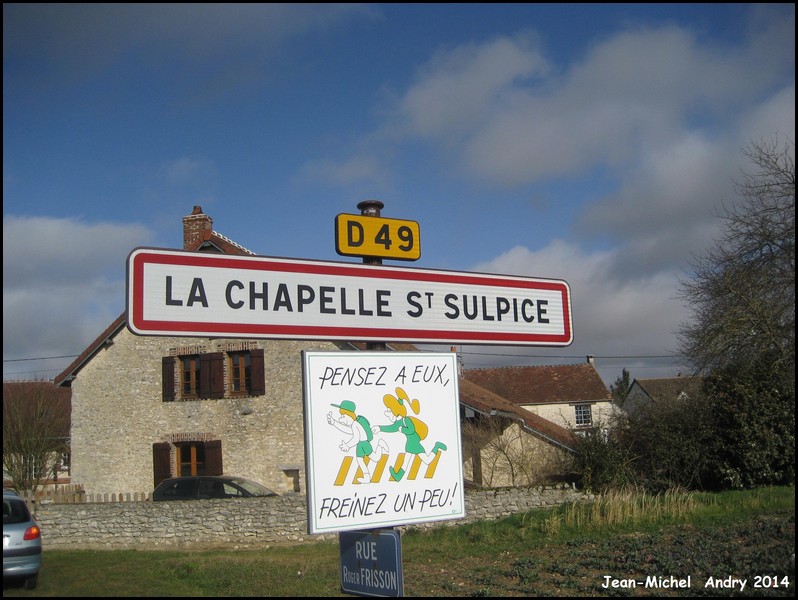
(360, 436)
(413, 428)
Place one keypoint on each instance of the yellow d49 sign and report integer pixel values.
(358, 235)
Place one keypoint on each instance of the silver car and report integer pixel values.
(22, 541)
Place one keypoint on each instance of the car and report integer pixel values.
(197, 487)
(22, 541)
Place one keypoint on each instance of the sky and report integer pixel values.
(593, 143)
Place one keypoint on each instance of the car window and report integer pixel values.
(210, 488)
(15, 511)
(253, 488)
(231, 491)
(182, 489)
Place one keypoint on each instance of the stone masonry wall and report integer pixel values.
(241, 523)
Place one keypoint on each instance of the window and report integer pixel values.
(186, 458)
(190, 376)
(190, 459)
(240, 373)
(584, 415)
(208, 375)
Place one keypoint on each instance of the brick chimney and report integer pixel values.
(196, 227)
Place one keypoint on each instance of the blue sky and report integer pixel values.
(590, 143)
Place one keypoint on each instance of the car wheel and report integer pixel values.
(30, 582)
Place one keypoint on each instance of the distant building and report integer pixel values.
(646, 393)
(571, 396)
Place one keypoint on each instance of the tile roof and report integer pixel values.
(551, 384)
(214, 239)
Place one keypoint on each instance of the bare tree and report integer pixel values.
(36, 418)
(742, 291)
(502, 453)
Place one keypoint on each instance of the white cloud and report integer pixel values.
(59, 291)
(614, 317)
(773, 117)
(456, 90)
(507, 116)
(632, 93)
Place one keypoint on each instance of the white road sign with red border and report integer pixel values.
(172, 292)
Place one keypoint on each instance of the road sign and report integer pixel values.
(382, 439)
(371, 563)
(377, 237)
(172, 292)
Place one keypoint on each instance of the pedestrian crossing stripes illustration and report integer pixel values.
(379, 469)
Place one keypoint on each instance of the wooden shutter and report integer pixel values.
(212, 375)
(168, 378)
(257, 372)
(161, 462)
(213, 458)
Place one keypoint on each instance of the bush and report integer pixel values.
(738, 434)
(753, 430)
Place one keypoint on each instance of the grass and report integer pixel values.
(567, 551)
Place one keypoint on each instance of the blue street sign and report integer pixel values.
(371, 563)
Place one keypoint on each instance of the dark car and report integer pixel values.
(22, 541)
(208, 486)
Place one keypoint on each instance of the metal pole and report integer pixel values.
(372, 208)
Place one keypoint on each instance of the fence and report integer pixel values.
(75, 494)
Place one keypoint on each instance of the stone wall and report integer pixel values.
(241, 523)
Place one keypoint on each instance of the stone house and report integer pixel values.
(506, 445)
(145, 408)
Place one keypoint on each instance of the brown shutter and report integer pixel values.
(217, 375)
(213, 458)
(168, 378)
(257, 373)
(161, 462)
(212, 375)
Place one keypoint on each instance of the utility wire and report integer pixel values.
(574, 357)
(596, 356)
(41, 358)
